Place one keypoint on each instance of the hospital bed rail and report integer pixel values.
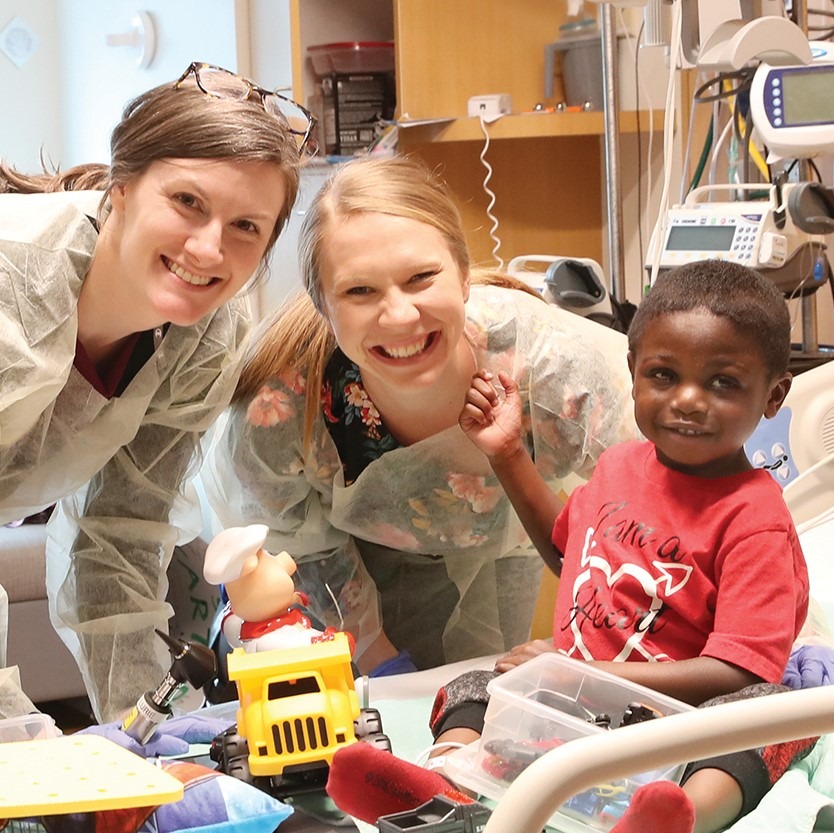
(729, 727)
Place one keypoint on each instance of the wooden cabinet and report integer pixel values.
(547, 168)
(449, 50)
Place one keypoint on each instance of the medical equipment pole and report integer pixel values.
(642, 747)
(808, 303)
(800, 14)
(611, 113)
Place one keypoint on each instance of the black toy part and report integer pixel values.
(193, 663)
(440, 814)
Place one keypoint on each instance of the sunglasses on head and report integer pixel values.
(221, 83)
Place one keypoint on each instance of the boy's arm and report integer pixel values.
(534, 501)
(691, 680)
(494, 426)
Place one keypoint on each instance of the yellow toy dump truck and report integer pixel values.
(297, 707)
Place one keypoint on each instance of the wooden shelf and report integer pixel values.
(525, 126)
(548, 172)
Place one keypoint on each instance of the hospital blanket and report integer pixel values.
(800, 800)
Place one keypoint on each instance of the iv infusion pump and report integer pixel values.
(755, 233)
(793, 106)
(793, 111)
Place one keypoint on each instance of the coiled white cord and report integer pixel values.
(494, 220)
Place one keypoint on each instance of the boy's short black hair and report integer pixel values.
(751, 301)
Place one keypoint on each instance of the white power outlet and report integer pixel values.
(490, 106)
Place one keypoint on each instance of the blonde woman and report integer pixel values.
(121, 334)
(343, 435)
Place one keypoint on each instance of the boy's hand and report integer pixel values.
(523, 653)
(493, 423)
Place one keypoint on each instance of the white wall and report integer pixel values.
(29, 113)
(67, 98)
(97, 80)
(270, 61)
(69, 95)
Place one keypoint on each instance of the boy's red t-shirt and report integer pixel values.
(660, 565)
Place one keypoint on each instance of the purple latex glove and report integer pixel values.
(172, 737)
(400, 664)
(809, 666)
(196, 727)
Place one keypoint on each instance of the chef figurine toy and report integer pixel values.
(263, 611)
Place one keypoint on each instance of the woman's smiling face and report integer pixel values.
(187, 234)
(393, 296)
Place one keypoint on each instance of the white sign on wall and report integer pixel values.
(18, 42)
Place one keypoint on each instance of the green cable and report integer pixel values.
(702, 162)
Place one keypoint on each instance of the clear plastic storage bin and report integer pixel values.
(27, 727)
(352, 57)
(544, 703)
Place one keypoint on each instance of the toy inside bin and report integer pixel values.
(544, 703)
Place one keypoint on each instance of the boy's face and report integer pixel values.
(700, 387)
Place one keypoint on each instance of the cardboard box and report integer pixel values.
(352, 109)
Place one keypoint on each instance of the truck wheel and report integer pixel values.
(378, 740)
(231, 753)
(234, 745)
(369, 722)
(238, 768)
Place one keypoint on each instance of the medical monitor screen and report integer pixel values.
(808, 96)
(700, 238)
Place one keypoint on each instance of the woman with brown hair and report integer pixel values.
(122, 329)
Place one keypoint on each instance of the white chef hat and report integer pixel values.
(229, 550)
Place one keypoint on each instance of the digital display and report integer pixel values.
(700, 238)
(808, 96)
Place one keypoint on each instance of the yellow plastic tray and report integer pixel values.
(76, 774)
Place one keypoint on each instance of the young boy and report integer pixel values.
(680, 565)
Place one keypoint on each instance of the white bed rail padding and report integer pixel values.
(730, 727)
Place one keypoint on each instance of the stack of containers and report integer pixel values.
(544, 703)
(355, 93)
